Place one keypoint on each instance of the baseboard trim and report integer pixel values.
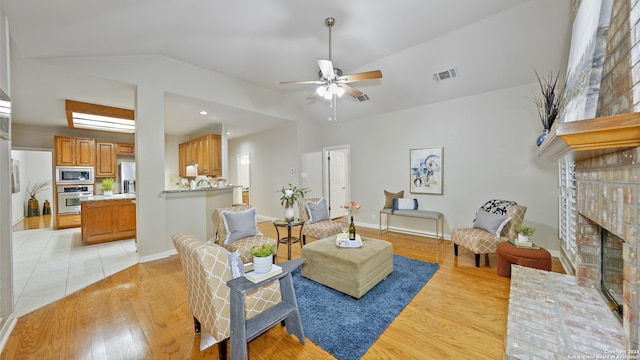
(158, 256)
(7, 329)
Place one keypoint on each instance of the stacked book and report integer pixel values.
(257, 277)
(525, 245)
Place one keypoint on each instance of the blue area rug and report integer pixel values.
(347, 327)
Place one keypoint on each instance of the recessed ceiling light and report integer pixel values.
(203, 112)
(228, 132)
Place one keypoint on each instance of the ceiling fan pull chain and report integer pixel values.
(329, 23)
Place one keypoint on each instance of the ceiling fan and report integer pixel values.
(332, 84)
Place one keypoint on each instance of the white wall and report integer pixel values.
(6, 247)
(489, 152)
(273, 153)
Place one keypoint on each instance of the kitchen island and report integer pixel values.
(108, 218)
(191, 211)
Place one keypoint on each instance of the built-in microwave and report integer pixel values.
(74, 175)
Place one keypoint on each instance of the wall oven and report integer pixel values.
(69, 197)
(74, 175)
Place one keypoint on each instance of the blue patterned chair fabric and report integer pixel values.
(317, 230)
(480, 241)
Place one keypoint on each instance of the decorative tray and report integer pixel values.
(342, 240)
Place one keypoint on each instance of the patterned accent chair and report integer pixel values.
(207, 269)
(243, 245)
(480, 241)
(317, 230)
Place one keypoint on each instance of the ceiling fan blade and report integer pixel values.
(368, 75)
(326, 68)
(353, 92)
(313, 95)
(316, 82)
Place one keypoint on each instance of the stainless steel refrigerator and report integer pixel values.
(127, 175)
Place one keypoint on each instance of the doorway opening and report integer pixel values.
(244, 178)
(29, 167)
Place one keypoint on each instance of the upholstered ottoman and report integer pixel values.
(353, 271)
(508, 254)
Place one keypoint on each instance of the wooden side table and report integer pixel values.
(243, 330)
(288, 239)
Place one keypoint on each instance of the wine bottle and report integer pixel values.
(352, 230)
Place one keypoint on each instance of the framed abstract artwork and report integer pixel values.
(15, 176)
(425, 168)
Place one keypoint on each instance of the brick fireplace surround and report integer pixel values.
(608, 197)
(606, 151)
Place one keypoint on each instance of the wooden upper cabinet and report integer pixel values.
(182, 162)
(125, 149)
(204, 155)
(72, 151)
(204, 151)
(216, 155)
(105, 159)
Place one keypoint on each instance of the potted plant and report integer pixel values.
(262, 257)
(524, 232)
(289, 196)
(107, 186)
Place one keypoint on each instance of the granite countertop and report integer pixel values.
(212, 188)
(111, 197)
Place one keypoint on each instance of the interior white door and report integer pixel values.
(338, 180)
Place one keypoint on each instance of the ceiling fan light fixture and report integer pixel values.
(321, 90)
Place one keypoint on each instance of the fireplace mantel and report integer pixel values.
(589, 138)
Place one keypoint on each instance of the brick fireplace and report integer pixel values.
(608, 197)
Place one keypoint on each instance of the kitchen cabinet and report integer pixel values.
(71, 151)
(125, 149)
(105, 159)
(67, 221)
(108, 220)
(205, 152)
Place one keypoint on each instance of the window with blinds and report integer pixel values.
(568, 215)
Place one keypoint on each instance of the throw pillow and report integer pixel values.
(318, 211)
(490, 222)
(405, 204)
(389, 196)
(237, 267)
(240, 225)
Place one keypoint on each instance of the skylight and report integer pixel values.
(88, 116)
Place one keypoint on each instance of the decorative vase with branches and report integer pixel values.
(33, 207)
(549, 101)
(37, 187)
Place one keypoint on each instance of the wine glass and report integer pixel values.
(344, 227)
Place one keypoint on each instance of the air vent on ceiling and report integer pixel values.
(444, 75)
(363, 97)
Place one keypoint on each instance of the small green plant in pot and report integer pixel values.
(524, 232)
(262, 257)
(107, 186)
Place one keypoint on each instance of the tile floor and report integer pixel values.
(51, 264)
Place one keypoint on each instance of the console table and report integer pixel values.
(435, 216)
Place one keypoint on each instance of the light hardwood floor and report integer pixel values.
(141, 313)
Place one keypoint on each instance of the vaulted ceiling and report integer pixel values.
(493, 44)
